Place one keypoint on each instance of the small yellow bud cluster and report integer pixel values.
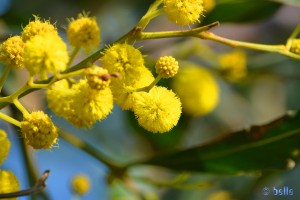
(295, 48)
(233, 65)
(11, 52)
(8, 183)
(183, 12)
(98, 77)
(197, 90)
(80, 104)
(38, 130)
(80, 184)
(84, 32)
(5, 146)
(166, 66)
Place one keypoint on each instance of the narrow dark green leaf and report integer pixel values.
(266, 147)
(241, 11)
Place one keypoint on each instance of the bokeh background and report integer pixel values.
(268, 92)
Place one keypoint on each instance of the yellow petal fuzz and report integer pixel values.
(11, 52)
(183, 12)
(233, 65)
(37, 27)
(5, 146)
(59, 97)
(38, 130)
(197, 90)
(89, 105)
(166, 66)
(8, 183)
(123, 97)
(157, 111)
(125, 60)
(80, 184)
(45, 54)
(84, 32)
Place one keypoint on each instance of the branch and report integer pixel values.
(38, 187)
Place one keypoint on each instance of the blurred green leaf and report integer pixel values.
(290, 2)
(241, 11)
(266, 147)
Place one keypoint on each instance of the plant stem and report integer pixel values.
(10, 119)
(149, 87)
(20, 107)
(4, 76)
(73, 55)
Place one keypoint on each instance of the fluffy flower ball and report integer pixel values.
(8, 183)
(45, 54)
(84, 32)
(38, 130)
(11, 52)
(37, 27)
(158, 110)
(80, 184)
(98, 77)
(183, 12)
(89, 105)
(166, 66)
(123, 59)
(5, 146)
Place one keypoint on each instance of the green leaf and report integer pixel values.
(241, 11)
(266, 147)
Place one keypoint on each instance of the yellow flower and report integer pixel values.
(59, 97)
(80, 184)
(8, 183)
(233, 65)
(197, 90)
(123, 97)
(38, 130)
(5, 146)
(157, 111)
(183, 12)
(84, 32)
(125, 60)
(37, 27)
(98, 77)
(11, 52)
(295, 48)
(45, 54)
(166, 66)
(89, 105)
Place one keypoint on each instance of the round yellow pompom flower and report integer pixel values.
(158, 110)
(11, 52)
(80, 184)
(38, 130)
(125, 60)
(5, 146)
(37, 27)
(89, 105)
(183, 12)
(233, 65)
(166, 66)
(8, 183)
(197, 90)
(98, 77)
(295, 48)
(84, 32)
(59, 97)
(45, 54)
